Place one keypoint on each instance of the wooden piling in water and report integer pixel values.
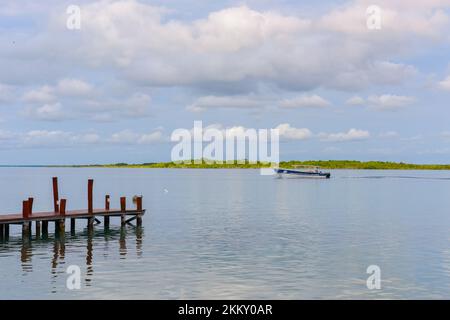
(107, 200)
(38, 229)
(106, 218)
(90, 195)
(123, 203)
(62, 207)
(91, 223)
(123, 208)
(62, 226)
(55, 194)
(139, 208)
(90, 201)
(26, 224)
(30, 204)
(2, 231)
(44, 228)
(25, 209)
(62, 213)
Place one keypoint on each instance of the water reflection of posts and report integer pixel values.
(26, 254)
(55, 258)
(89, 255)
(59, 251)
(123, 242)
(62, 248)
(139, 234)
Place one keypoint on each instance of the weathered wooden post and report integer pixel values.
(2, 231)
(107, 201)
(6, 227)
(26, 215)
(55, 206)
(62, 213)
(62, 207)
(72, 225)
(30, 202)
(55, 194)
(38, 223)
(106, 218)
(123, 208)
(44, 228)
(25, 209)
(139, 209)
(90, 202)
(90, 195)
(38, 229)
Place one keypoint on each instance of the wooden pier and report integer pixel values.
(60, 214)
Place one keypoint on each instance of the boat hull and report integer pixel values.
(296, 174)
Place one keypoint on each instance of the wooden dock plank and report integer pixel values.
(48, 216)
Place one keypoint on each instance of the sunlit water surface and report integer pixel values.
(234, 234)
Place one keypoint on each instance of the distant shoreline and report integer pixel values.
(325, 164)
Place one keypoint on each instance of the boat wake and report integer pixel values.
(397, 177)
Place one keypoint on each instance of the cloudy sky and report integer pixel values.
(115, 89)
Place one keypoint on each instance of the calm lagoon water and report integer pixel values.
(234, 234)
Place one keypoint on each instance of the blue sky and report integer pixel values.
(114, 90)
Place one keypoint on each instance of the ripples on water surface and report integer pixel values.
(236, 234)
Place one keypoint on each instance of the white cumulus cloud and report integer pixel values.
(47, 112)
(350, 135)
(44, 94)
(6, 93)
(355, 101)
(73, 87)
(225, 102)
(129, 137)
(241, 47)
(313, 101)
(288, 132)
(445, 84)
(390, 102)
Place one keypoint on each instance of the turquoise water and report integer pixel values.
(234, 234)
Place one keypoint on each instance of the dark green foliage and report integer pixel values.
(325, 164)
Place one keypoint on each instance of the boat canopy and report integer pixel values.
(298, 166)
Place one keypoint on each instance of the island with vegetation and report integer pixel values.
(325, 164)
